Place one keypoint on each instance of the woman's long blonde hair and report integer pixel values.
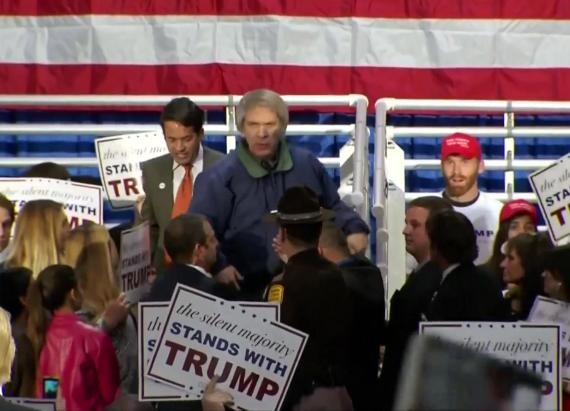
(87, 250)
(38, 236)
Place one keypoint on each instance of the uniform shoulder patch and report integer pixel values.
(275, 294)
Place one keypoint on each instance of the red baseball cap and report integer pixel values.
(460, 144)
(516, 208)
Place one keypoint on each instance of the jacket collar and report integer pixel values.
(253, 165)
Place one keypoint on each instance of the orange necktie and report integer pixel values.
(184, 194)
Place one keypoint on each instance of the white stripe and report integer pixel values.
(150, 40)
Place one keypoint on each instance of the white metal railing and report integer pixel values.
(355, 195)
(508, 164)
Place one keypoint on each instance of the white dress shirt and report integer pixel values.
(178, 171)
(206, 274)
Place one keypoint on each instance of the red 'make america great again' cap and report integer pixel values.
(460, 144)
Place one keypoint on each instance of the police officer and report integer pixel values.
(314, 299)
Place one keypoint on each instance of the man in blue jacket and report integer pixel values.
(247, 184)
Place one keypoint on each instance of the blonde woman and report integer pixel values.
(39, 238)
(91, 252)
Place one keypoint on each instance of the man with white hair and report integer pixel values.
(247, 184)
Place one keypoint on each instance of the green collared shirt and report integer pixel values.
(253, 164)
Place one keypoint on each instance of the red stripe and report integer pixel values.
(484, 9)
(515, 84)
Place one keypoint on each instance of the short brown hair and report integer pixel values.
(8, 206)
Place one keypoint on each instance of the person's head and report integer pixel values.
(452, 239)
(332, 242)
(48, 170)
(7, 217)
(190, 239)
(14, 283)
(300, 219)
(557, 273)
(517, 217)
(91, 252)
(523, 265)
(7, 348)
(461, 163)
(39, 238)
(521, 217)
(182, 123)
(54, 289)
(262, 118)
(417, 214)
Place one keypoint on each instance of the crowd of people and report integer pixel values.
(263, 223)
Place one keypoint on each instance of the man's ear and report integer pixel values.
(481, 166)
(196, 254)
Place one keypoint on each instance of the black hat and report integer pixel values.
(299, 205)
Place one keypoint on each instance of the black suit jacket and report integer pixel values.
(367, 329)
(157, 178)
(467, 294)
(164, 285)
(406, 308)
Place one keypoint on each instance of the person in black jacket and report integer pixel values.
(314, 299)
(408, 303)
(192, 245)
(465, 293)
(366, 287)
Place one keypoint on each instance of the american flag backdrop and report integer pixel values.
(484, 49)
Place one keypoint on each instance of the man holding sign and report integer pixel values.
(168, 180)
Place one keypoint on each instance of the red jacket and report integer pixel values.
(83, 359)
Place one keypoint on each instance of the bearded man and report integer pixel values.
(461, 164)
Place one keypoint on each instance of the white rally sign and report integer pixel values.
(119, 160)
(533, 347)
(205, 336)
(135, 261)
(552, 188)
(152, 316)
(558, 312)
(81, 202)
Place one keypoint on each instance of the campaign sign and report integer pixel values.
(33, 403)
(204, 336)
(533, 347)
(549, 310)
(135, 261)
(552, 188)
(152, 316)
(81, 202)
(119, 160)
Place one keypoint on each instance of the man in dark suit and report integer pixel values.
(168, 180)
(191, 243)
(465, 292)
(367, 328)
(408, 303)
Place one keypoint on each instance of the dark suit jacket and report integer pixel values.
(157, 207)
(406, 308)
(367, 329)
(164, 285)
(467, 294)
